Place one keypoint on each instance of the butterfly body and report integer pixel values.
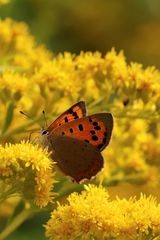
(76, 141)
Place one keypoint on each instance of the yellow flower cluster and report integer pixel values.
(126, 89)
(17, 83)
(18, 48)
(26, 169)
(92, 215)
(136, 159)
(31, 80)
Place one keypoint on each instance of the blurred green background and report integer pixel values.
(70, 25)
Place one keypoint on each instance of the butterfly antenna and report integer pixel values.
(45, 119)
(26, 115)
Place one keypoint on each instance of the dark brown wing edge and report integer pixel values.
(109, 123)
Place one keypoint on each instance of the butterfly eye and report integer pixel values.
(45, 132)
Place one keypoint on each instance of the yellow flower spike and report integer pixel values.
(92, 214)
(90, 85)
(14, 34)
(90, 63)
(117, 68)
(43, 187)
(14, 82)
(55, 75)
(136, 158)
(26, 169)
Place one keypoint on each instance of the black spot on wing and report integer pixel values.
(75, 115)
(71, 130)
(94, 138)
(66, 119)
(70, 111)
(80, 126)
(95, 123)
(97, 128)
(92, 132)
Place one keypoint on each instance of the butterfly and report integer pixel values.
(76, 141)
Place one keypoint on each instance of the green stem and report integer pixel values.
(18, 220)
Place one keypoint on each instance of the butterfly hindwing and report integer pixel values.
(77, 111)
(95, 130)
(76, 158)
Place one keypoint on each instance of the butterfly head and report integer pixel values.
(44, 140)
(44, 132)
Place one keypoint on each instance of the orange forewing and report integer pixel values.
(77, 111)
(95, 130)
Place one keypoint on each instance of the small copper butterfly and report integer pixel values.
(76, 141)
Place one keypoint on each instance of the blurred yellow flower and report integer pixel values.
(27, 170)
(13, 82)
(4, 1)
(32, 79)
(18, 47)
(136, 157)
(92, 215)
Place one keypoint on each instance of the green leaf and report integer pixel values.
(9, 117)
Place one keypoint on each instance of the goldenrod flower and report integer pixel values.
(18, 47)
(137, 153)
(27, 170)
(92, 215)
(13, 82)
(59, 74)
